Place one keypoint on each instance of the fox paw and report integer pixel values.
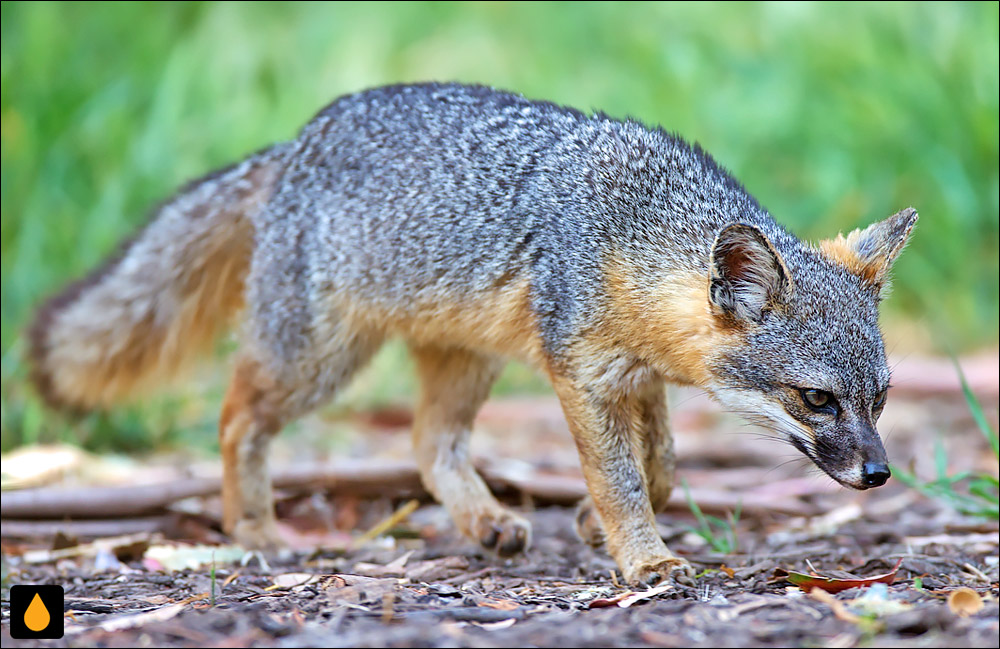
(656, 571)
(588, 525)
(504, 533)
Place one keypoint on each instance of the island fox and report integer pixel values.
(478, 225)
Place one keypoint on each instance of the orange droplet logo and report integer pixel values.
(37, 616)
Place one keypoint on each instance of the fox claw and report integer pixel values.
(652, 573)
(506, 534)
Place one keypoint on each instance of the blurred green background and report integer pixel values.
(832, 115)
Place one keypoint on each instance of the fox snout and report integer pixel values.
(875, 474)
(874, 467)
(874, 464)
(855, 460)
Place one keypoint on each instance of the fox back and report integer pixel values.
(411, 197)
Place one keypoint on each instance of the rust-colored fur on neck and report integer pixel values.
(670, 325)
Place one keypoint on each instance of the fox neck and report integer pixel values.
(668, 322)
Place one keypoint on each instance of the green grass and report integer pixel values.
(833, 115)
(211, 574)
(977, 494)
(719, 533)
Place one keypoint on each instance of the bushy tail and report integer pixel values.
(139, 318)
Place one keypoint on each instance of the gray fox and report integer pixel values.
(478, 225)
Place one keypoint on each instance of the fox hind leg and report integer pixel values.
(258, 403)
(454, 384)
(250, 418)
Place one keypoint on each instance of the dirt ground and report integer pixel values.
(421, 584)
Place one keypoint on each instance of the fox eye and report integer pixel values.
(819, 401)
(879, 404)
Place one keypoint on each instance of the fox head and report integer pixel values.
(808, 360)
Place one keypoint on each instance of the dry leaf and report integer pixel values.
(120, 623)
(290, 580)
(496, 626)
(592, 593)
(646, 594)
(172, 557)
(628, 598)
(964, 602)
(356, 589)
(395, 568)
(437, 569)
(836, 584)
(604, 602)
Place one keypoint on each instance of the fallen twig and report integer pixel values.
(388, 523)
(359, 478)
(838, 608)
(21, 529)
(101, 502)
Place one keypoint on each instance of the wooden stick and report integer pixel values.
(101, 502)
(20, 529)
(387, 524)
(359, 478)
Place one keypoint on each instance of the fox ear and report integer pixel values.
(870, 253)
(748, 276)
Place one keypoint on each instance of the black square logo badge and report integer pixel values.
(36, 612)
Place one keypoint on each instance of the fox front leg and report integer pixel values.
(605, 412)
(658, 456)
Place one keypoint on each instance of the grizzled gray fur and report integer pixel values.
(479, 225)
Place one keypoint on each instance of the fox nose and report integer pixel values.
(874, 474)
